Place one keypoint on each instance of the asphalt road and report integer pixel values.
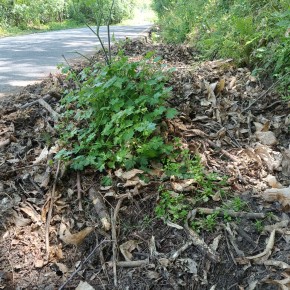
(29, 58)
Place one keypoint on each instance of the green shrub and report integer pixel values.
(252, 32)
(113, 116)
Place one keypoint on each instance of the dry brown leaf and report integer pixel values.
(220, 86)
(35, 217)
(183, 185)
(273, 182)
(84, 286)
(266, 138)
(42, 157)
(20, 221)
(286, 163)
(278, 194)
(126, 249)
(265, 127)
(130, 174)
(73, 239)
(152, 275)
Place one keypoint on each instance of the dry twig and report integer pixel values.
(53, 113)
(49, 214)
(221, 212)
(79, 189)
(81, 265)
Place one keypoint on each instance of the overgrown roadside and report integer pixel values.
(208, 218)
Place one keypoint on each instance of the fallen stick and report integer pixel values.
(25, 167)
(80, 266)
(222, 212)
(230, 156)
(100, 208)
(53, 113)
(46, 97)
(268, 248)
(177, 253)
(49, 214)
(79, 189)
(130, 264)
(201, 245)
(114, 239)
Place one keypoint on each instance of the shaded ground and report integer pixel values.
(239, 127)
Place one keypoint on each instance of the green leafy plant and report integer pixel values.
(111, 119)
(172, 206)
(236, 204)
(207, 223)
(259, 226)
(106, 181)
(253, 33)
(185, 166)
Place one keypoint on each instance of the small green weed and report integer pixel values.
(259, 226)
(106, 181)
(207, 223)
(172, 206)
(186, 166)
(236, 204)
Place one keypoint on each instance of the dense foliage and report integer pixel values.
(114, 116)
(26, 14)
(253, 32)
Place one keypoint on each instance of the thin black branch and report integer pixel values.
(81, 265)
(108, 30)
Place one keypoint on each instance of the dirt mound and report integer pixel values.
(52, 235)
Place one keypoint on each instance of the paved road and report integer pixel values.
(26, 59)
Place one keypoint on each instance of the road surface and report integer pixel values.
(28, 58)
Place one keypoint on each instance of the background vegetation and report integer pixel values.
(18, 15)
(252, 32)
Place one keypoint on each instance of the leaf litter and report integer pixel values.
(108, 237)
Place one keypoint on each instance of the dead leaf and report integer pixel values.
(152, 275)
(272, 181)
(73, 239)
(286, 163)
(42, 157)
(188, 265)
(182, 185)
(127, 247)
(220, 86)
(130, 174)
(266, 138)
(35, 217)
(278, 194)
(84, 286)
(39, 263)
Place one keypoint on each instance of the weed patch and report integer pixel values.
(113, 117)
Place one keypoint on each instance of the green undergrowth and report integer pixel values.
(14, 30)
(114, 116)
(175, 206)
(253, 33)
